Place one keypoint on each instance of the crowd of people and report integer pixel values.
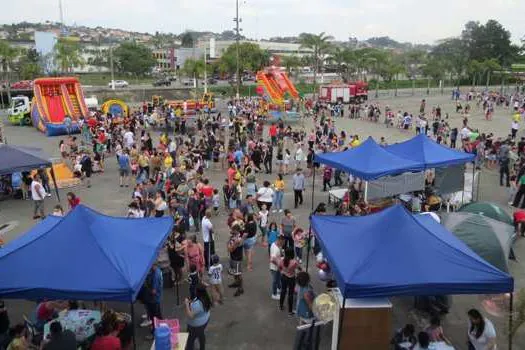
(261, 161)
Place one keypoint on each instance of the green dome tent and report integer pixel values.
(489, 238)
(488, 209)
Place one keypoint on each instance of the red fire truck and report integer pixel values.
(356, 92)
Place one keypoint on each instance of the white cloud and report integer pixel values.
(404, 20)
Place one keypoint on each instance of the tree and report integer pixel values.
(487, 41)
(133, 58)
(452, 52)
(434, 68)
(251, 58)
(187, 39)
(344, 61)
(8, 55)
(320, 45)
(489, 67)
(67, 55)
(291, 63)
(28, 65)
(194, 69)
(160, 40)
(475, 70)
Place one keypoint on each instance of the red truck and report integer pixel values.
(355, 92)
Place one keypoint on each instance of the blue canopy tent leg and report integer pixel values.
(309, 244)
(511, 310)
(472, 187)
(366, 191)
(341, 318)
(132, 306)
(55, 183)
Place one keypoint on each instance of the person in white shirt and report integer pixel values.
(207, 237)
(514, 129)
(263, 223)
(275, 258)
(129, 139)
(299, 156)
(465, 133)
(215, 275)
(265, 196)
(38, 194)
(481, 331)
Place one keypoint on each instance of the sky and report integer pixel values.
(417, 21)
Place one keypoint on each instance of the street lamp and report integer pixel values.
(237, 29)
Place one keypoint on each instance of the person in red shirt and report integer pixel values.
(107, 338)
(519, 222)
(231, 173)
(72, 200)
(207, 189)
(273, 134)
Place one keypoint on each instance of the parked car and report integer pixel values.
(162, 82)
(187, 82)
(211, 81)
(118, 83)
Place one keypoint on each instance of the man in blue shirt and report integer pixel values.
(124, 168)
(151, 296)
(238, 156)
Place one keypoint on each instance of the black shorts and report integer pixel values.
(235, 267)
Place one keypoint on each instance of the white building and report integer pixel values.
(280, 49)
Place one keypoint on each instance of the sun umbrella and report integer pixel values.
(489, 238)
(488, 209)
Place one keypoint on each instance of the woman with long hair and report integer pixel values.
(278, 185)
(194, 253)
(288, 267)
(198, 312)
(160, 204)
(72, 200)
(481, 332)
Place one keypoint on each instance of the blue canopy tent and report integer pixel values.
(16, 159)
(369, 161)
(429, 154)
(394, 253)
(84, 256)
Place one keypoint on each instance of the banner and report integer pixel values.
(393, 185)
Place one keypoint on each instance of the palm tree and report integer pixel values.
(194, 69)
(8, 55)
(320, 45)
(475, 68)
(67, 55)
(342, 59)
(490, 66)
(290, 63)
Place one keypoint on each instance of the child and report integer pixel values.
(215, 200)
(273, 233)
(193, 280)
(263, 224)
(299, 238)
(58, 211)
(215, 274)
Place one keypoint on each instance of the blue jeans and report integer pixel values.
(276, 281)
(299, 253)
(278, 200)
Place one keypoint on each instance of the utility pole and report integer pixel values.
(205, 71)
(111, 66)
(237, 38)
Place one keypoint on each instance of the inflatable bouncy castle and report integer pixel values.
(56, 98)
